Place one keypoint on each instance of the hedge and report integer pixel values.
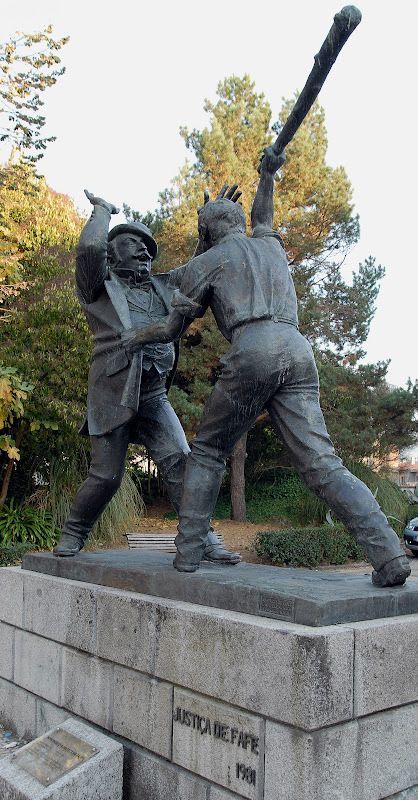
(308, 547)
(12, 554)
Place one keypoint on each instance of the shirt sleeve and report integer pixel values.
(192, 298)
(264, 230)
(175, 276)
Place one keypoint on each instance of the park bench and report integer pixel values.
(155, 541)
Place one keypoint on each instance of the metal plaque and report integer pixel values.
(53, 755)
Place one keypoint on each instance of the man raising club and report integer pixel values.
(270, 365)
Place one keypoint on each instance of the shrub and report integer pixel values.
(12, 554)
(66, 475)
(21, 524)
(308, 547)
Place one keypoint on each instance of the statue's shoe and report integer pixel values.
(68, 545)
(184, 566)
(394, 573)
(218, 554)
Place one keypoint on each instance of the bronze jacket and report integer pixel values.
(114, 382)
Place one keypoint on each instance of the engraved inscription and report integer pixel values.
(226, 733)
(219, 742)
(53, 755)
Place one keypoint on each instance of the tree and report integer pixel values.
(45, 337)
(28, 65)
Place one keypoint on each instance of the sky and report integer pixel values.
(136, 72)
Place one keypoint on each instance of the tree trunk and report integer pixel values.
(237, 464)
(9, 466)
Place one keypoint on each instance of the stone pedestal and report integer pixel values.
(214, 703)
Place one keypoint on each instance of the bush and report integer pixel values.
(13, 554)
(20, 524)
(308, 547)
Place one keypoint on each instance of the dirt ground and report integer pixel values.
(239, 536)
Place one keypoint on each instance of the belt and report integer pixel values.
(272, 318)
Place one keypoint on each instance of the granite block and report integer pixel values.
(142, 710)
(385, 664)
(148, 777)
(219, 742)
(49, 716)
(87, 687)
(366, 759)
(304, 678)
(126, 628)
(11, 594)
(60, 610)
(17, 710)
(7, 633)
(38, 665)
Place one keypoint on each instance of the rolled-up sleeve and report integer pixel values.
(192, 298)
(186, 306)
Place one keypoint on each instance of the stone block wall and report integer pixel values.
(213, 704)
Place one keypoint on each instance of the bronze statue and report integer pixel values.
(127, 397)
(247, 283)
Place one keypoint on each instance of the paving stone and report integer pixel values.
(87, 687)
(100, 777)
(385, 664)
(38, 665)
(304, 677)
(148, 777)
(11, 593)
(142, 710)
(17, 710)
(7, 633)
(60, 610)
(366, 759)
(126, 628)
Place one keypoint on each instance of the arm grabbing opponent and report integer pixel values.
(165, 330)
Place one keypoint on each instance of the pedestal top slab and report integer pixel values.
(307, 597)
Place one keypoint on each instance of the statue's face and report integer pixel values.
(134, 260)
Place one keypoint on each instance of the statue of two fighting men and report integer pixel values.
(135, 318)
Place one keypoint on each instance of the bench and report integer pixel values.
(155, 541)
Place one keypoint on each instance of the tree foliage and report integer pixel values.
(45, 337)
(29, 64)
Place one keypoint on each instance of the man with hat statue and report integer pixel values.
(127, 394)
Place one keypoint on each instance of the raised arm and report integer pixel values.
(91, 266)
(262, 210)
